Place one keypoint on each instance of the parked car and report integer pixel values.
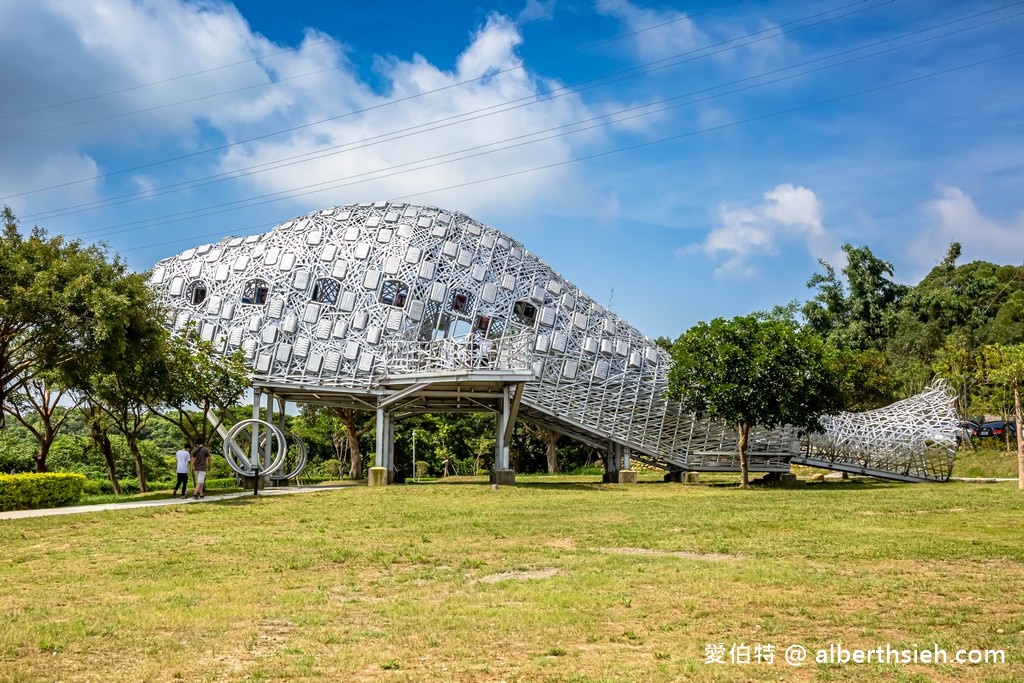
(995, 428)
(970, 427)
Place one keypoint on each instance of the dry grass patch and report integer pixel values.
(522, 575)
(682, 554)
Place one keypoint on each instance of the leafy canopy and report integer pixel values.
(753, 370)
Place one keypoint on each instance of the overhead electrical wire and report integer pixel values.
(271, 83)
(202, 72)
(228, 207)
(639, 69)
(605, 153)
(616, 76)
(608, 118)
(531, 138)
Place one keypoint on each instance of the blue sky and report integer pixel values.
(681, 161)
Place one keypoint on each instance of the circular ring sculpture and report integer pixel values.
(300, 463)
(232, 450)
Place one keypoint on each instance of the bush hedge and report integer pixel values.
(34, 491)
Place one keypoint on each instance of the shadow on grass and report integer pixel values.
(235, 502)
(818, 487)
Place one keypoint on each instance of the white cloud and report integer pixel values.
(663, 33)
(788, 215)
(954, 217)
(488, 74)
(535, 10)
(105, 46)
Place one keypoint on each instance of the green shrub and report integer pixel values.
(321, 470)
(76, 453)
(16, 461)
(586, 469)
(221, 483)
(34, 491)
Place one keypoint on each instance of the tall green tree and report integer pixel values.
(63, 313)
(37, 407)
(194, 374)
(127, 382)
(861, 313)
(1007, 369)
(751, 371)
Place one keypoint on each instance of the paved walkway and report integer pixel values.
(210, 498)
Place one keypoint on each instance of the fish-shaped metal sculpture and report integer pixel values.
(406, 308)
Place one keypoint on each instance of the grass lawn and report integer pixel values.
(554, 579)
(990, 460)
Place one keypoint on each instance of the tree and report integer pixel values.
(193, 373)
(37, 407)
(861, 314)
(63, 314)
(323, 432)
(99, 432)
(127, 382)
(1007, 369)
(355, 430)
(550, 438)
(754, 371)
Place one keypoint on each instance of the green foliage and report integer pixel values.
(76, 453)
(196, 375)
(754, 371)
(69, 298)
(860, 314)
(34, 491)
(866, 376)
(15, 451)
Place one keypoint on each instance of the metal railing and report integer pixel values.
(467, 352)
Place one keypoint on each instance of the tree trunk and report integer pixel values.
(1020, 437)
(40, 456)
(356, 456)
(339, 440)
(551, 441)
(102, 441)
(744, 433)
(133, 446)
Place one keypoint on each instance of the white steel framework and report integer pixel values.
(402, 309)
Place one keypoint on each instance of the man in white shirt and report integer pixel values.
(183, 457)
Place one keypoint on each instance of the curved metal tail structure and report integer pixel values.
(402, 309)
(913, 440)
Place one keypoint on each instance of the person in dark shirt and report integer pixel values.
(200, 465)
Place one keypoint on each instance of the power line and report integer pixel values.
(221, 208)
(212, 69)
(577, 126)
(666, 62)
(335, 68)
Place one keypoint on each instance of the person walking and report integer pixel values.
(200, 464)
(184, 458)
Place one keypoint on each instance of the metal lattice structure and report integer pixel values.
(913, 439)
(402, 309)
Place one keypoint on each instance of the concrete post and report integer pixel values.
(268, 445)
(391, 448)
(379, 473)
(611, 463)
(502, 473)
(626, 475)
